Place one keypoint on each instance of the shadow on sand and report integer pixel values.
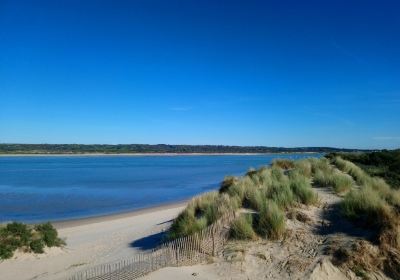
(149, 242)
(336, 223)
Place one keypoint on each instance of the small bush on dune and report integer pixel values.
(49, 234)
(242, 228)
(18, 235)
(37, 246)
(271, 221)
(19, 232)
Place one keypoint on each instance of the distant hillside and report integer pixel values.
(160, 148)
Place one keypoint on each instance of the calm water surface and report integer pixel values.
(44, 188)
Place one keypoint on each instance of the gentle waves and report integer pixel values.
(42, 188)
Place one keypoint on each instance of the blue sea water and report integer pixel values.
(48, 188)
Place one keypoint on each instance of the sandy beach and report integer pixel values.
(93, 241)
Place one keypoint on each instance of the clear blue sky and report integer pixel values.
(274, 73)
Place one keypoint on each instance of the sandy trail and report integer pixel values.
(91, 242)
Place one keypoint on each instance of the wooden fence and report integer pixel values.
(189, 250)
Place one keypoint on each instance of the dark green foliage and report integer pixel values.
(17, 235)
(6, 251)
(384, 164)
(49, 234)
(37, 246)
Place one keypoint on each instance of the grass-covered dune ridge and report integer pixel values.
(34, 239)
(266, 196)
(268, 191)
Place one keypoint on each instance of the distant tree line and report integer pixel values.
(160, 148)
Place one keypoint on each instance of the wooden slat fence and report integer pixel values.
(188, 250)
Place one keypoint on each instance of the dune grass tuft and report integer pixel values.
(301, 188)
(271, 221)
(242, 228)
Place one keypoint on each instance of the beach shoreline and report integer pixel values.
(75, 222)
(94, 241)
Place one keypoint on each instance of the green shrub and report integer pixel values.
(271, 221)
(37, 246)
(6, 251)
(18, 235)
(49, 234)
(19, 232)
(242, 228)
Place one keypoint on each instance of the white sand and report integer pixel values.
(91, 242)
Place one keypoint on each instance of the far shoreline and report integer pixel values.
(150, 154)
